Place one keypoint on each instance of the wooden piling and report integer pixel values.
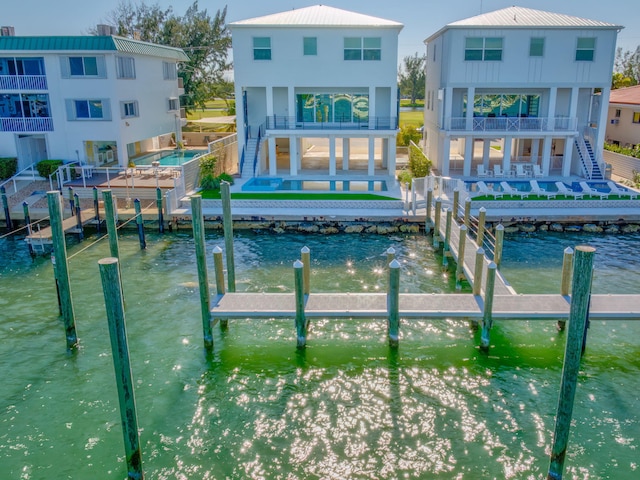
(578, 313)
(71, 201)
(228, 235)
(110, 220)
(447, 239)
(497, 254)
(461, 246)
(436, 222)
(160, 210)
(76, 207)
(301, 321)
(5, 206)
(27, 221)
(96, 208)
(565, 285)
(467, 212)
(487, 314)
(391, 255)
(482, 215)
(305, 256)
(201, 260)
(219, 269)
(429, 219)
(393, 303)
(479, 270)
(140, 224)
(61, 266)
(456, 204)
(114, 303)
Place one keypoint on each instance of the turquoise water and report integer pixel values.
(347, 407)
(169, 157)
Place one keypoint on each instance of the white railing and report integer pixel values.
(29, 173)
(20, 124)
(511, 124)
(23, 82)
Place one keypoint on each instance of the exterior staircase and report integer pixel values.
(250, 152)
(588, 160)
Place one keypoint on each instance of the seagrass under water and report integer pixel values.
(346, 407)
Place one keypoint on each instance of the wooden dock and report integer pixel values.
(69, 225)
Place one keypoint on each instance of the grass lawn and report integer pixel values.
(406, 102)
(415, 118)
(215, 195)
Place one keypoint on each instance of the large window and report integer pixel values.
(21, 66)
(483, 49)
(367, 48)
(332, 108)
(125, 67)
(262, 48)
(310, 45)
(83, 67)
(536, 47)
(26, 105)
(504, 105)
(88, 109)
(585, 49)
(169, 71)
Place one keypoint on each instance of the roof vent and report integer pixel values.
(106, 30)
(7, 32)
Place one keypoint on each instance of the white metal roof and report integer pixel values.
(519, 17)
(318, 16)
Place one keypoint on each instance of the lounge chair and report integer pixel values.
(632, 194)
(509, 190)
(484, 190)
(562, 188)
(537, 171)
(481, 171)
(497, 171)
(537, 190)
(520, 173)
(592, 191)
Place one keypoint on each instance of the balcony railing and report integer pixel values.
(277, 122)
(38, 124)
(511, 124)
(23, 82)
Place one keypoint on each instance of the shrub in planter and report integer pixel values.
(8, 167)
(225, 177)
(47, 167)
(209, 182)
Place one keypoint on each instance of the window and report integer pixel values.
(618, 113)
(169, 71)
(262, 48)
(332, 107)
(125, 67)
(173, 104)
(129, 109)
(310, 45)
(504, 105)
(585, 49)
(90, 109)
(367, 48)
(27, 105)
(636, 117)
(536, 47)
(83, 67)
(483, 49)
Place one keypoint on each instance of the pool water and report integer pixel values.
(268, 184)
(346, 407)
(169, 157)
(525, 186)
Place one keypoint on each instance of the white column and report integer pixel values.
(546, 155)
(602, 123)
(506, 161)
(371, 168)
(551, 114)
(391, 156)
(293, 156)
(332, 155)
(292, 107)
(448, 105)
(269, 101)
(535, 149)
(486, 153)
(468, 156)
(573, 107)
(385, 152)
(446, 156)
(471, 93)
(273, 165)
(566, 159)
(345, 154)
(372, 107)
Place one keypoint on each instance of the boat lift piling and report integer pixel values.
(301, 320)
(436, 223)
(203, 278)
(140, 224)
(227, 222)
(96, 208)
(27, 221)
(220, 290)
(160, 215)
(76, 207)
(5, 206)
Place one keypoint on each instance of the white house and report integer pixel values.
(93, 99)
(316, 75)
(517, 87)
(623, 126)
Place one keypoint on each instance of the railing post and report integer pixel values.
(140, 223)
(203, 278)
(301, 321)
(305, 256)
(497, 254)
(482, 214)
(487, 316)
(467, 211)
(578, 313)
(393, 303)
(478, 272)
(160, 216)
(461, 246)
(114, 303)
(227, 221)
(62, 268)
(436, 226)
(429, 220)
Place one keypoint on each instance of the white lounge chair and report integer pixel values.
(632, 194)
(481, 171)
(509, 190)
(497, 171)
(537, 171)
(562, 188)
(520, 173)
(537, 190)
(484, 190)
(592, 191)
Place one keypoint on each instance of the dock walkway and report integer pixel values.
(44, 236)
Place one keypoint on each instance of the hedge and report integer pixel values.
(8, 167)
(47, 167)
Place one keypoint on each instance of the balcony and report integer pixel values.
(511, 124)
(180, 86)
(23, 82)
(20, 124)
(276, 122)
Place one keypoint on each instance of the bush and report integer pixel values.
(419, 165)
(209, 182)
(407, 134)
(8, 167)
(630, 152)
(226, 177)
(47, 167)
(405, 176)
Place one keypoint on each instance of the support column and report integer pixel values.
(293, 156)
(391, 156)
(535, 149)
(291, 100)
(602, 122)
(551, 113)
(332, 156)
(566, 158)
(346, 143)
(446, 156)
(468, 156)
(273, 165)
(506, 161)
(547, 145)
(471, 93)
(385, 152)
(486, 153)
(372, 108)
(371, 167)
(269, 95)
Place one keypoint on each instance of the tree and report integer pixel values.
(205, 39)
(618, 80)
(412, 77)
(627, 64)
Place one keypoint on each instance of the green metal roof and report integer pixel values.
(91, 43)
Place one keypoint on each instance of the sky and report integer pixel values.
(421, 18)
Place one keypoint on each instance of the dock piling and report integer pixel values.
(460, 265)
(467, 212)
(477, 274)
(76, 206)
(393, 303)
(565, 285)
(219, 269)
(114, 303)
(487, 314)
(203, 278)
(5, 206)
(456, 204)
(62, 268)
(428, 219)
(110, 220)
(301, 321)
(160, 213)
(228, 235)
(482, 215)
(497, 254)
(140, 224)
(27, 221)
(96, 208)
(305, 256)
(436, 224)
(578, 313)
(71, 201)
(447, 239)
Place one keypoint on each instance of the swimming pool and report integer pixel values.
(260, 184)
(547, 186)
(169, 157)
